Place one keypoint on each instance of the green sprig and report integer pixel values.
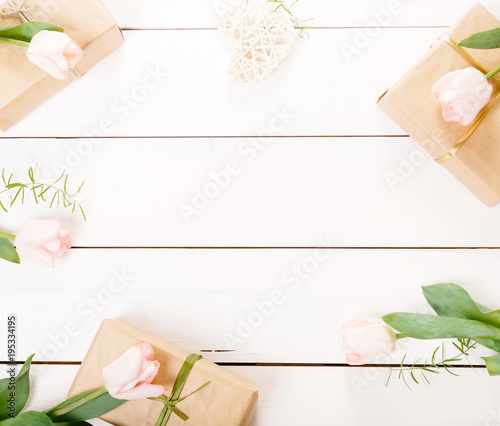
(417, 368)
(298, 23)
(56, 193)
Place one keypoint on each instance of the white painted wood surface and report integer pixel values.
(358, 192)
(363, 13)
(264, 306)
(364, 185)
(328, 396)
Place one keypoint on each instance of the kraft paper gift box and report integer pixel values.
(229, 399)
(23, 86)
(410, 104)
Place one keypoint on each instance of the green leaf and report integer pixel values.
(8, 252)
(484, 40)
(493, 365)
(72, 424)
(451, 300)
(30, 418)
(25, 32)
(421, 326)
(18, 391)
(96, 407)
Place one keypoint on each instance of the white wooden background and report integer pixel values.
(326, 180)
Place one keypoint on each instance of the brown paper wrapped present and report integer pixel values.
(410, 104)
(23, 86)
(229, 399)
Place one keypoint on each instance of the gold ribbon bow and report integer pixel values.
(465, 137)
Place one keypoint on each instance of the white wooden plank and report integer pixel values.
(326, 396)
(201, 299)
(332, 13)
(352, 192)
(173, 83)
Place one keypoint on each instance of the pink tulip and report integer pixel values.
(129, 377)
(55, 53)
(367, 340)
(41, 241)
(462, 94)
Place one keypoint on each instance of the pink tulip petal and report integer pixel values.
(74, 54)
(64, 247)
(38, 232)
(141, 392)
(49, 66)
(35, 254)
(146, 351)
(442, 85)
(122, 371)
(361, 322)
(367, 340)
(130, 376)
(462, 94)
(54, 52)
(353, 359)
(53, 246)
(65, 240)
(148, 371)
(49, 43)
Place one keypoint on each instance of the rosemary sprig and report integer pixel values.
(298, 23)
(42, 192)
(421, 369)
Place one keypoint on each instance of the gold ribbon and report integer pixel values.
(16, 7)
(465, 137)
(451, 153)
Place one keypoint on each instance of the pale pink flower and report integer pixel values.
(54, 52)
(367, 340)
(462, 94)
(41, 241)
(129, 377)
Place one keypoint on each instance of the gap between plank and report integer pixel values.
(410, 27)
(206, 137)
(272, 248)
(266, 364)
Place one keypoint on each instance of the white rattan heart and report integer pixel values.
(261, 41)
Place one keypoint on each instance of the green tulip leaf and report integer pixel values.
(30, 418)
(493, 365)
(72, 424)
(484, 40)
(8, 252)
(96, 407)
(424, 327)
(16, 392)
(451, 300)
(25, 32)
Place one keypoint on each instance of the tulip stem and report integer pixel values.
(65, 409)
(8, 236)
(493, 72)
(13, 41)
